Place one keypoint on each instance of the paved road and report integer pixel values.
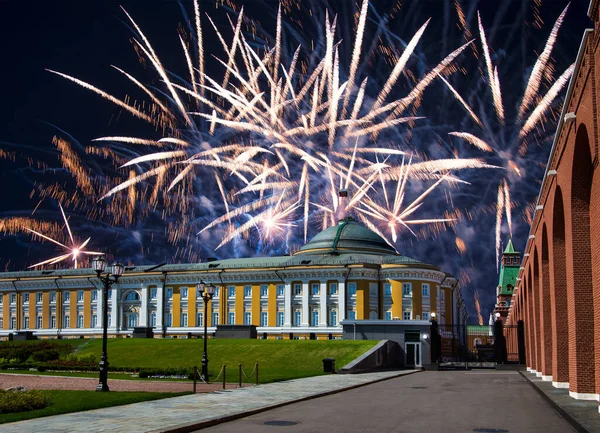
(429, 402)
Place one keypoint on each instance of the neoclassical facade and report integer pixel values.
(345, 272)
(558, 286)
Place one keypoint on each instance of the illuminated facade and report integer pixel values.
(345, 272)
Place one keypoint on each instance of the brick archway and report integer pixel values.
(531, 325)
(558, 295)
(579, 273)
(545, 309)
(535, 303)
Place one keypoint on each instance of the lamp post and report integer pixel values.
(206, 291)
(99, 266)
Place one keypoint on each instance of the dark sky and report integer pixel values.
(83, 38)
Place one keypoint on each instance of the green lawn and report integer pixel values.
(277, 359)
(76, 401)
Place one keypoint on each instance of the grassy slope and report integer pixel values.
(277, 359)
(75, 401)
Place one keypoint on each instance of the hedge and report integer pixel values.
(19, 401)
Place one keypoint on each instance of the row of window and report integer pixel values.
(297, 290)
(264, 318)
(406, 315)
(66, 296)
(39, 324)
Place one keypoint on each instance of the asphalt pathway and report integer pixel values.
(492, 401)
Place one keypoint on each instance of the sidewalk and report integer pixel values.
(191, 412)
(583, 415)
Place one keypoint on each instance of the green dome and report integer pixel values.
(349, 236)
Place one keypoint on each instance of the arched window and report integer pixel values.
(132, 296)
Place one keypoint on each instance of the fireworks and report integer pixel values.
(74, 250)
(255, 135)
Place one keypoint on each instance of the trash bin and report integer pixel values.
(329, 365)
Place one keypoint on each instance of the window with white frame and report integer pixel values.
(315, 318)
(13, 322)
(199, 319)
(153, 319)
(315, 288)
(231, 291)
(443, 295)
(297, 317)
(280, 290)
(52, 296)
(108, 318)
(388, 315)
(94, 320)
(39, 297)
(215, 319)
(25, 297)
(80, 321)
(66, 321)
(247, 291)
(169, 293)
(184, 293)
(2, 299)
(169, 319)
(153, 293)
(66, 296)
(264, 290)
(407, 289)
(94, 295)
(184, 320)
(1, 323)
(280, 318)
(425, 289)
(333, 288)
(407, 315)
(264, 319)
(231, 319)
(109, 294)
(333, 318)
(26, 322)
(53, 322)
(387, 289)
(247, 318)
(13, 298)
(40, 322)
(216, 294)
(352, 289)
(79, 295)
(425, 315)
(297, 289)
(352, 315)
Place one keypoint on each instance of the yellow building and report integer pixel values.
(344, 272)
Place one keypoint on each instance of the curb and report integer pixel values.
(190, 427)
(570, 419)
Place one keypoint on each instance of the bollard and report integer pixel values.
(256, 369)
(224, 374)
(240, 382)
(195, 375)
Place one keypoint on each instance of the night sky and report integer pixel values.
(83, 38)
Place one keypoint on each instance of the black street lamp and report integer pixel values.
(206, 291)
(99, 266)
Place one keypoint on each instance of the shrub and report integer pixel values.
(18, 401)
(46, 355)
(90, 357)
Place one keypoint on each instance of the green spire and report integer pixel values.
(510, 249)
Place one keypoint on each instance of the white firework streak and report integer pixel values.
(74, 250)
(499, 211)
(546, 101)
(462, 101)
(537, 72)
(475, 141)
(491, 73)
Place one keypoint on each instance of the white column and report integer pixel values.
(160, 308)
(305, 310)
(144, 313)
(287, 306)
(114, 307)
(341, 301)
(99, 309)
(323, 304)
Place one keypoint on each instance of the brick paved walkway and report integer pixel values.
(31, 381)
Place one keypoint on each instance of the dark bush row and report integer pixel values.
(42, 349)
(19, 401)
